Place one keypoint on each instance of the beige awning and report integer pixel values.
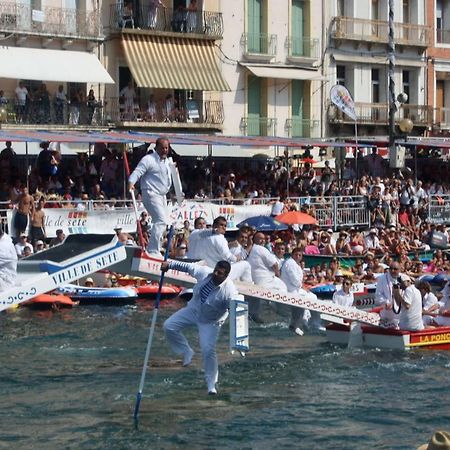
(381, 60)
(285, 73)
(164, 62)
(51, 65)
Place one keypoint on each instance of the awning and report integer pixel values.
(382, 60)
(164, 62)
(285, 73)
(51, 65)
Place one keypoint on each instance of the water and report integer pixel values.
(68, 380)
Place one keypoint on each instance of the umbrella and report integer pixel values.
(308, 160)
(300, 218)
(263, 223)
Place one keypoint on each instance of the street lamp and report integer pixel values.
(406, 126)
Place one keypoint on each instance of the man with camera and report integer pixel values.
(409, 304)
(384, 295)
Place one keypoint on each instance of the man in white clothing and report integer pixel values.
(8, 261)
(265, 272)
(154, 172)
(212, 247)
(207, 310)
(193, 240)
(409, 300)
(383, 295)
(343, 296)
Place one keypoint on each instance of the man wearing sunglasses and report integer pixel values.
(343, 296)
(384, 294)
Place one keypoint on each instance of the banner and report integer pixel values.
(340, 96)
(98, 221)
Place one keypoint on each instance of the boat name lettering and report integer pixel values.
(19, 296)
(81, 222)
(435, 337)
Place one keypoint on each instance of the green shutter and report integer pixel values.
(254, 106)
(297, 26)
(255, 8)
(297, 108)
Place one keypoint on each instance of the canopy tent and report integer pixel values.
(52, 65)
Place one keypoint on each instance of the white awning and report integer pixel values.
(52, 65)
(381, 60)
(285, 73)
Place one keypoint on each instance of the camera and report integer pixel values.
(396, 286)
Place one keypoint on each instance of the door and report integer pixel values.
(254, 106)
(297, 26)
(254, 19)
(440, 101)
(297, 90)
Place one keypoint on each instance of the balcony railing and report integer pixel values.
(378, 31)
(50, 21)
(378, 114)
(192, 112)
(166, 19)
(258, 126)
(296, 127)
(303, 47)
(442, 36)
(259, 44)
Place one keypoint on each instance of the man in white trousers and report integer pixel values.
(154, 172)
(292, 275)
(212, 247)
(265, 273)
(384, 295)
(207, 310)
(8, 261)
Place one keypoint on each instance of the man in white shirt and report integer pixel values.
(383, 294)
(265, 272)
(193, 241)
(372, 242)
(212, 247)
(343, 296)
(154, 172)
(20, 246)
(21, 101)
(8, 261)
(408, 299)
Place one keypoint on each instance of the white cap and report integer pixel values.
(404, 277)
(329, 230)
(373, 230)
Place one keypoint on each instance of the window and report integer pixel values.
(340, 8)
(375, 86)
(255, 26)
(374, 13)
(340, 75)
(297, 27)
(439, 22)
(406, 84)
(406, 11)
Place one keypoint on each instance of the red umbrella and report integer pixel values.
(308, 160)
(296, 217)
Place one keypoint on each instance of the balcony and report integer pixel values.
(378, 114)
(296, 127)
(377, 31)
(203, 114)
(258, 126)
(259, 47)
(160, 19)
(302, 48)
(442, 36)
(442, 118)
(50, 22)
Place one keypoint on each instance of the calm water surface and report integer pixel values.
(69, 379)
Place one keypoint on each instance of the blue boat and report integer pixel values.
(100, 296)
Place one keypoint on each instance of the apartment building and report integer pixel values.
(357, 37)
(49, 45)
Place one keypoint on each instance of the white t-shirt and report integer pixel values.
(429, 300)
(411, 319)
(261, 262)
(343, 299)
(21, 94)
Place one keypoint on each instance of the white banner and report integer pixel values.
(104, 221)
(340, 96)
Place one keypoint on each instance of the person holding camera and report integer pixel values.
(384, 295)
(409, 301)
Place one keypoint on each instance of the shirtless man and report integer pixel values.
(37, 231)
(25, 208)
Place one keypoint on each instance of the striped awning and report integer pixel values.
(164, 62)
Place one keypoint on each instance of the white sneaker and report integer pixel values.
(188, 358)
(299, 331)
(212, 391)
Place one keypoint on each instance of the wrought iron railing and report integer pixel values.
(296, 127)
(50, 21)
(193, 111)
(378, 31)
(378, 113)
(259, 44)
(180, 20)
(258, 126)
(303, 47)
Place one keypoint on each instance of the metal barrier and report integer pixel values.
(439, 209)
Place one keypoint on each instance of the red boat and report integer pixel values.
(50, 301)
(150, 290)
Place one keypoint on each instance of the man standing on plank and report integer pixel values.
(154, 172)
(207, 310)
(8, 261)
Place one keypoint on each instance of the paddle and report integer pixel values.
(152, 331)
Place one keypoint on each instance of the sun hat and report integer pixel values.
(39, 242)
(373, 230)
(404, 277)
(439, 441)
(329, 230)
(89, 280)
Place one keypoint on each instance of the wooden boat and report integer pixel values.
(50, 301)
(101, 296)
(349, 261)
(387, 338)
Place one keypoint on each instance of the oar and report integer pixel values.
(152, 330)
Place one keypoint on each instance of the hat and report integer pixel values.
(117, 228)
(404, 277)
(39, 242)
(373, 230)
(339, 274)
(232, 175)
(89, 280)
(439, 441)
(329, 230)
(23, 235)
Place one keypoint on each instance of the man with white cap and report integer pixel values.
(8, 261)
(409, 300)
(384, 292)
(372, 242)
(154, 172)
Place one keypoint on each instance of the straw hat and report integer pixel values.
(439, 441)
(89, 280)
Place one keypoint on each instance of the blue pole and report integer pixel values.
(152, 331)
